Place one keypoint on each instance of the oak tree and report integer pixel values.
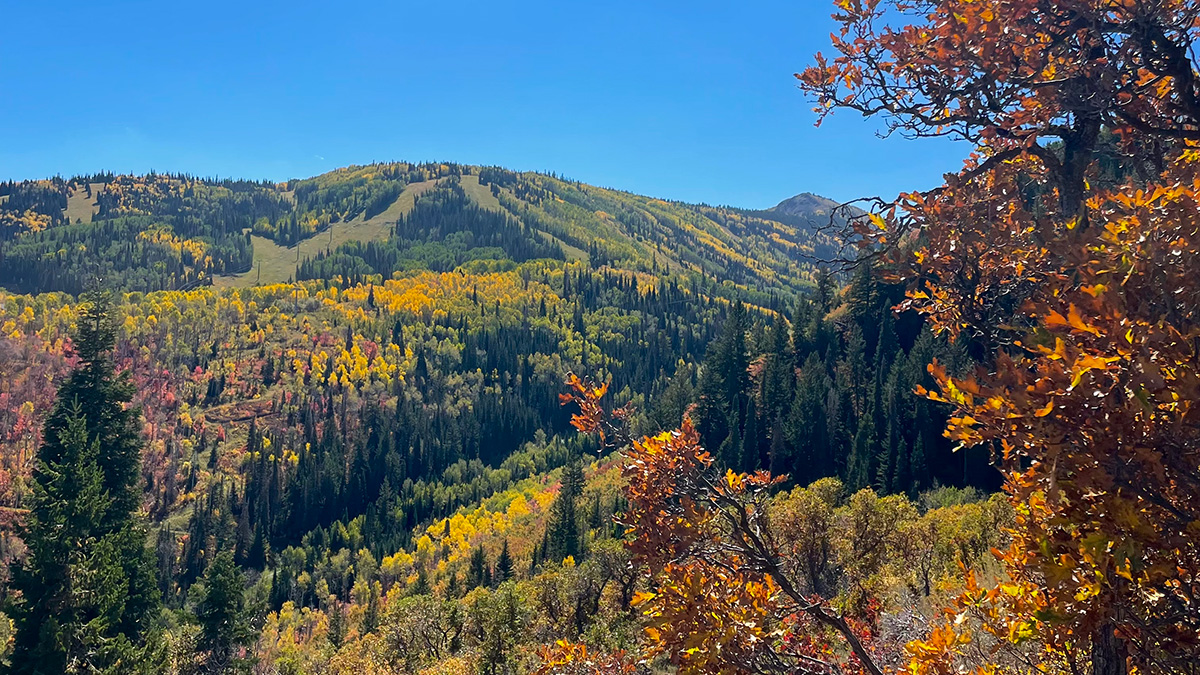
(1064, 252)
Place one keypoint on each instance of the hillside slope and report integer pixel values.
(352, 384)
(158, 232)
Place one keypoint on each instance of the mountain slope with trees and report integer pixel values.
(171, 232)
(373, 462)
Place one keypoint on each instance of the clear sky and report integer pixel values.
(693, 101)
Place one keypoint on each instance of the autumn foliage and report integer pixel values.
(1063, 256)
(722, 598)
(1064, 253)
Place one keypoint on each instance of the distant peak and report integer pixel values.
(805, 204)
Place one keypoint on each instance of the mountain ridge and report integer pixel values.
(163, 231)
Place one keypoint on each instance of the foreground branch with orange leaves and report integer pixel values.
(1065, 253)
(723, 598)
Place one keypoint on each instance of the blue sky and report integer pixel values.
(691, 101)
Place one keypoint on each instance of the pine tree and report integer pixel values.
(371, 616)
(751, 441)
(504, 564)
(572, 478)
(421, 585)
(729, 455)
(337, 623)
(221, 615)
(779, 374)
(102, 395)
(87, 591)
(67, 500)
(281, 583)
(918, 467)
(807, 424)
(477, 571)
(824, 292)
(669, 406)
(861, 463)
(563, 536)
(724, 382)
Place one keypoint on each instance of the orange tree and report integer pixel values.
(725, 596)
(1064, 252)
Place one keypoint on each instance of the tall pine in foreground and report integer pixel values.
(86, 596)
(221, 614)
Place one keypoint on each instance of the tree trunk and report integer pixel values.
(1079, 149)
(1108, 652)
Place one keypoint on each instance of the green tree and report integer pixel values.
(724, 381)
(102, 396)
(86, 596)
(807, 424)
(337, 623)
(504, 564)
(221, 614)
(779, 373)
(371, 616)
(477, 572)
(563, 536)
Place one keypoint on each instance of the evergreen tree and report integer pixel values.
(371, 616)
(421, 585)
(730, 453)
(894, 469)
(808, 423)
(751, 440)
(504, 564)
(860, 466)
(779, 375)
(724, 382)
(563, 536)
(221, 615)
(102, 395)
(87, 591)
(477, 571)
(668, 407)
(337, 623)
(824, 292)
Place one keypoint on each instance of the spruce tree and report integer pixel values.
(477, 570)
(779, 373)
(807, 424)
(504, 564)
(221, 614)
(102, 395)
(862, 454)
(724, 382)
(751, 440)
(87, 596)
(337, 623)
(371, 616)
(729, 455)
(563, 536)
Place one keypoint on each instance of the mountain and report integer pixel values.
(352, 382)
(161, 231)
(805, 204)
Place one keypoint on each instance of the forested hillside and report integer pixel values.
(379, 445)
(437, 418)
(171, 232)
